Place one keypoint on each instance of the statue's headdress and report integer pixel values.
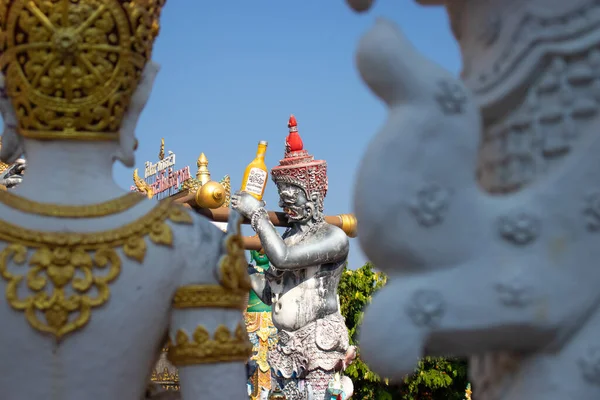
(71, 67)
(300, 168)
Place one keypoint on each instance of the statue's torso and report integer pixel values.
(304, 295)
(110, 356)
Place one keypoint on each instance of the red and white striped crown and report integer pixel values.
(300, 168)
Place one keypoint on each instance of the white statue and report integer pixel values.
(94, 278)
(510, 280)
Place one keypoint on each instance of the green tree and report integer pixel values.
(434, 378)
(355, 291)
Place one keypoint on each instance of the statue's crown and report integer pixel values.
(300, 168)
(71, 66)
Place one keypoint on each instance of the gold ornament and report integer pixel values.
(141, 185)
(202, 174)
(349, 224)
(71, 67)
(226, 182)
(210, 195)
(202, 349)
(233, 266)
(161, 152)
(198, 296)
(83, 264)
(109, 207)
(3, 166)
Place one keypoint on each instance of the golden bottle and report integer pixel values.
(256, 174)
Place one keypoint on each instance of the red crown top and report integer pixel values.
(293, 142)
(300, 168)
(292, 122)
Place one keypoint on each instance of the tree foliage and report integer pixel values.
(434, 378)
(355, 291)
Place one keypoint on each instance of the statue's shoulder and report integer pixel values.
(198, 243)
(333, 231)
(210, 255)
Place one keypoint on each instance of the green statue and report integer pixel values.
(261, 265)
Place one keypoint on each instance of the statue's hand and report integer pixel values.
(245, 204)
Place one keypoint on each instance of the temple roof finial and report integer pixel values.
(293, 142)
(203, 174)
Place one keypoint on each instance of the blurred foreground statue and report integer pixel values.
(95, 279)
(489, 224)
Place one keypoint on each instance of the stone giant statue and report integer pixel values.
(306, 266)
(489, 225)
(12, 175)
(95, 279)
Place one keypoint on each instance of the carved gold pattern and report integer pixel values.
(141, 185)
(198, 296)
(226, 182)
(202, 349)
(261, 325)
(233, 266)
(71, 67)
(3, 166)
(83, 264)
(109, 207)
(168, 380)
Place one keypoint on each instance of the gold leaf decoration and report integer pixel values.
(71, 67)
(110, 207)
(202, 349)
(82, 263)
(205, 296)
(141, 185)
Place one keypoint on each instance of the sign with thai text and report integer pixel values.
(169, 180)
(163, 178)
(152, 169)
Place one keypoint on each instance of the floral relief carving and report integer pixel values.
(426, 308)
(451, 98)
(515, 290)
(430, 204)
(590, 365)
(592, 211)
(519, 228)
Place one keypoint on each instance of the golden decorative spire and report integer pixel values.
(203, 174)
(161, 153)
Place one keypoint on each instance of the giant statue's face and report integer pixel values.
(294, 203)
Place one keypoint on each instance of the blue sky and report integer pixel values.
(233, 71)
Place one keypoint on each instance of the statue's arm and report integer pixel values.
(332, 247)
(209, 367)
